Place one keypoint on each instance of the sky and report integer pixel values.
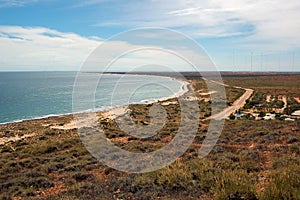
(244, 35)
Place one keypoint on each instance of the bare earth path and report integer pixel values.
(236, 106)
(239, 103)
(284, 99)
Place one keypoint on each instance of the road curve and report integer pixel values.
(239, 103)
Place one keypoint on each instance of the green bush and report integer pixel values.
(285, 184)
(235, 185)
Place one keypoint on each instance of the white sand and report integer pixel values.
(80, 121)
(296, 113)
(297, 99)
(91, 119)
(268, 98)
(115, 112)
(207, 93)
(184, 89)
(284, 99)
(15, 138)
(169, 103)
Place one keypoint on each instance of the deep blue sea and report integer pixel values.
(30, 95)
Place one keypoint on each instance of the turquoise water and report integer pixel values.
(29, 95)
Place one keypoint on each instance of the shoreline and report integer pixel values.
(114, 111)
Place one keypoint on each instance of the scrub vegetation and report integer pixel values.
(253, 159)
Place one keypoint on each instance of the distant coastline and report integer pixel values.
(183, 90)
(173, 76)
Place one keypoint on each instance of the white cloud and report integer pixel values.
(43, 49)
(88, 3)
(276, 22)
(39, 48)
(17, 3)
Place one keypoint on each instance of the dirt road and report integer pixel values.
(239, 103)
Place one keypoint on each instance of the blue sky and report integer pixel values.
(59, 35)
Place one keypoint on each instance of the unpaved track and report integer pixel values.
(284, 99)
(239, 103)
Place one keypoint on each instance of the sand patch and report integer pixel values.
(296, 113)
(80, 121)
(91, 119)
(284, 99)
(207, 93)
(297, 99)
(268, 98)
(115, 112)
(15, 138)
(169, 103)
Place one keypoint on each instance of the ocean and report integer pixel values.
(31, 95)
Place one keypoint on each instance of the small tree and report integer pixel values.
(278, 116)
(262, 114)
(232, 117)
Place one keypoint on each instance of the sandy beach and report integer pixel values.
(89, 119)
(82, 120)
